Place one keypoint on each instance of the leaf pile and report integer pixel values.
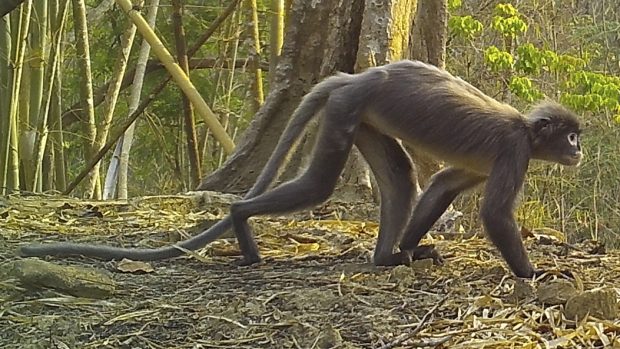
(316, 288)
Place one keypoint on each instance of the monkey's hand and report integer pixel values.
(423, 252)
(546, 274)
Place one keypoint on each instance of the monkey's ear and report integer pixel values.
(540, 123)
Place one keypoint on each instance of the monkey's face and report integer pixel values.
(562, 145)
(571, 150)
(555, 132)
(555, 138)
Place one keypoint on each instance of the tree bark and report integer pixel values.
(428, 44)
(6, 83)
(188, 110)
(112, 94)
(321, 38)
(86, 91)
(38, 65)
(384, 38)
(57, 137)
(276, 36)
(258, 97)
(430, 32)
(124, 144)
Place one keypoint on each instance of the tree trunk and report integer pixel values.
(6, 83)
(428, 44)
(86, 90)
(21, 23)
(188, 110)
(430, 32)
(321, 38)
(383, 38)
(276, 36)
(258, 97)
(37, 62)
(124, 144)
(112, 95)
(57, 170)
(42, 121)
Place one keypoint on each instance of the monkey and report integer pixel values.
(378, 110)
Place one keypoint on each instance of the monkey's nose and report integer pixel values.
(576, 158)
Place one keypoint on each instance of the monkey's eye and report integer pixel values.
(573, 138)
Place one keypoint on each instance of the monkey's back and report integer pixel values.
(432, 110)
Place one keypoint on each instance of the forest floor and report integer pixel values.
(315, 289)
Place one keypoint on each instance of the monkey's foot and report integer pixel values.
(424, 252)
(248, 261)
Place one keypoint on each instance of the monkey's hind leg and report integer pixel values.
(395, 176)
(314, 186)
(444, 187)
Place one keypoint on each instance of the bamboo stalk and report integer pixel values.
(257, 84)
(178, 75)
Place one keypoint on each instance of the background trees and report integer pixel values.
(65, 69)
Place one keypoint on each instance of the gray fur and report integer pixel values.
(305, 112)
(424, 107)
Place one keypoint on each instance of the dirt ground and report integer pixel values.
(315, 289)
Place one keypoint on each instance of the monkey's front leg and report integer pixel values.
(503, 185)
(442, 190)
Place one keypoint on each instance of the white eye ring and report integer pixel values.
(573, 138)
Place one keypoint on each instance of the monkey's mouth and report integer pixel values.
(572, 160)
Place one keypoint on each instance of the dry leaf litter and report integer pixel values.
(315, 289)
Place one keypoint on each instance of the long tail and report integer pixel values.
(307, 109)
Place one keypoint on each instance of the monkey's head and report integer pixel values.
(555, 133)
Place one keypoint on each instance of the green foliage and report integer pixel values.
(568, 64)
(571, 57)
(582, 90)
(530, 59)
(505, 10)
(497, 59)
(524, 89)
(591, 91)
(465, 27)
(507, 21)
(454, 4)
